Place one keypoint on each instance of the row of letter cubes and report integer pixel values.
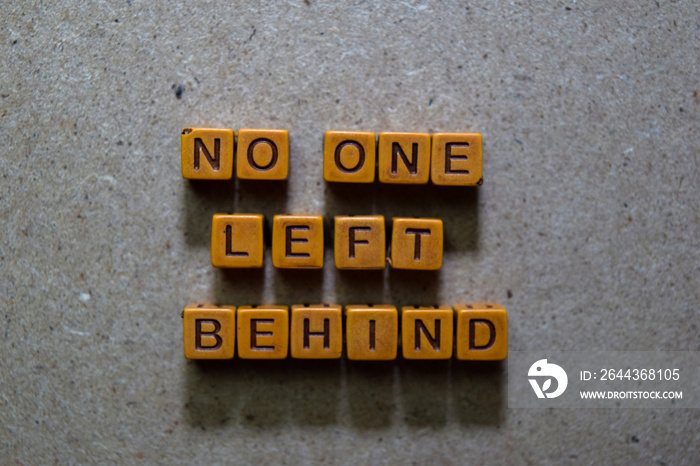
(297, 242)
(451, 159)
(476, 332)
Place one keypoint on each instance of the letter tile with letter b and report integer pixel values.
(456, 159)
(209, 331)
(262, 154)
(404, 158)
(297, 241)
(317, 331)
(360, 242)
(482, 332)
(427, 332)
(372, 332)
(349, 156)
(237, 240)
(416, 244)
(263, 332)
(206, 153)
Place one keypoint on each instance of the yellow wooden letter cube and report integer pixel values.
(482, 332)
(263, 332)
(237, 241)
(372, 332)
(416, 244)
(426, 332)
(262, 154)
(349, 156)
(206, 153)
(360, 242)
(209, 331)
(404, 158)
(317, 331)
(297, 241)
(456, 159)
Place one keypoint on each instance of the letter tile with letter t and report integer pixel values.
(297, 241)
(263, 332)
(426, 332)
(209, 331)
(416, 244)
(482, 332)
(207, 153)
(317, 331)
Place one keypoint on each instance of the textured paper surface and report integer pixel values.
(586, 227)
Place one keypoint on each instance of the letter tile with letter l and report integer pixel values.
(482, 332)
(416, 244)
(209, 331)
(262, 154)
(237, 240)
(316, 331)
(263, 332)
(372, 332)
(427, 332)
(456, 159)
(297, 241)
(207, 153)
(349, 156)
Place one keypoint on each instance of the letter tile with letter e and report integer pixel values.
(456, 159)
(206, 153)
(426, 332)
(297, 241)
(316, 331)
(263, 332)
(482, 332)
(209, 331)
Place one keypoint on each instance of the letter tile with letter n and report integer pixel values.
(404, 158)
(262, 154)
(317, 331)
(349, 156)
(416, 244)
(360, 242)
(237, 240)
(482, 332)
(297, 241)
(426, 332)
(372, 332)
(207, 153)
(456, 159)
(209, 331)
(263, 332)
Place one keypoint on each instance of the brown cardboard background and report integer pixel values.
(586, 227)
